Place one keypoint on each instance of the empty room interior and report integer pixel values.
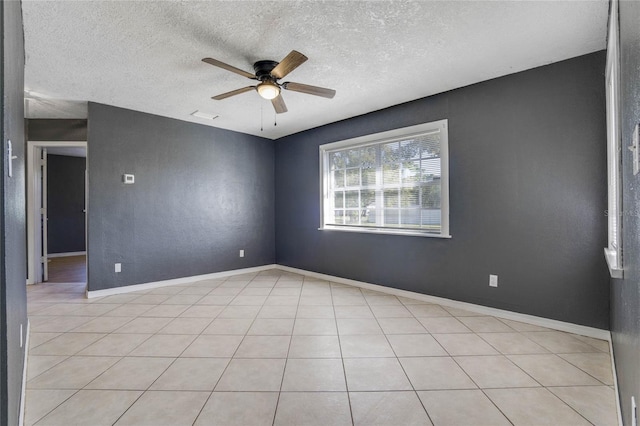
(320, 213)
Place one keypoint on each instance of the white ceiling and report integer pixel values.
(146, 55)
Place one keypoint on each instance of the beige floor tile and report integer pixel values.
(239, 312)
(364, 346)
(559, 342)
(382, 300)
(513, 343)
(314, 347)
(521, 326)
(313, 409)
(406, 345)
(443, 325)
(461, 407)
(102, 325)
(601, 345)
(40, 402)
(160, 408)
(278, 312)
(168, 290)
(316, 300)
(264, 347)
(260, 375)
(194, 374)
(129, 310)
(282, 301)
(131, 373)
(118, 298)
(225, 290)
(315, 327)
(115, 345)
(375, 374)
(425, 311)
(168, 345)
(91, 407)
(353, 312)
(52, 324)
(314, 375)
(197, 291)
(255, 291)
(149, 299)
(349, 300)
(484, 324)
(248, 301)
(214, 299)
(401, 326)
(202, 311)
(94, 310)
(72, 373)
(59, 309)
(391, 311)
(213, 346)
(271, 327)
(464, 344)
(285, 291)
(434, 373)
(495, 372)
(457, 312)
(67, 344)
(596, 403)
(36, 339)
(535, 406)
(313, 312)
(38, 364)
(351, 326)
(551, 370)
(239, 409)
(597, 365)
(186, 326)
(182, 299)
(144, 325)
(236, 326)
(387, 408)
(165, 311)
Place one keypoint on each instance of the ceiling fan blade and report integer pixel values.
(233, 93)
(292, 61)
(279, 105)
(217, 63)
(310, 90)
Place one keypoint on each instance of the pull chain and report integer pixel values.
(275, 119)
(261, 117)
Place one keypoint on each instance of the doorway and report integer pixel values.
(56, 212)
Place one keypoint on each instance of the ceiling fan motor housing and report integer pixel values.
(263, 70)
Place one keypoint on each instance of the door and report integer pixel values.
(44, 258)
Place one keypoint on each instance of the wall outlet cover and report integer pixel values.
(241, 253)
(493, 281)
(128, 179)
(118, 267)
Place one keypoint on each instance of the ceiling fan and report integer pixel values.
(268, 73)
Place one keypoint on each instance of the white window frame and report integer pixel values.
(377, 138)
(613, 251)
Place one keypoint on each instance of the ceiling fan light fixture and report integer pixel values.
(268, 90)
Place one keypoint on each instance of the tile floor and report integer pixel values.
(275, 348)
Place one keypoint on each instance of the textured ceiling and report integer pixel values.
(146, 55)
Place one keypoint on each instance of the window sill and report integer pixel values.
(384, 232)
(612, 262)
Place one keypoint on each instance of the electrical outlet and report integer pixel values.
(493, 281)
(634, 412)
(118, 267)
(241, 253)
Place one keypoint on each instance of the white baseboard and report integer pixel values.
(175, 281)
(582, 330)
(68, 254)
(23, 392)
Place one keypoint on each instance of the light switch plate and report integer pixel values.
(128, 179)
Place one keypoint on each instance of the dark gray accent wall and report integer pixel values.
(625, 293)
(527, 193)
(200, 195)
(65, 204)
(56, 129)
(13, 304)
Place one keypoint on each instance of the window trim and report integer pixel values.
(388, 136)
(613, 251)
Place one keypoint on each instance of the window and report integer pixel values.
(392, 182)
(613, 252)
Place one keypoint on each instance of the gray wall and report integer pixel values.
(527, 194)
(65, 204)
(56, 129)
(625, 294)
(200, 195)
(13, 305)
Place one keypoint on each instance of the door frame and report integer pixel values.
(34, 227)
